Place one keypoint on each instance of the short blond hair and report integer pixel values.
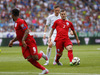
(56, 6)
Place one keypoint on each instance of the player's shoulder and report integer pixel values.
(20, 20)
(59, 20)
(50, 16)
(69, 21)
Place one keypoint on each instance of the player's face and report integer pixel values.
(57, 11)
(63, 15)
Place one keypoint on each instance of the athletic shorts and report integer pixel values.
(31, 49)
(60, 44)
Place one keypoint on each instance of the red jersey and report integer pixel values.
(20, 26)
(62, 27)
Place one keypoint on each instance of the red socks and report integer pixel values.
(57, 58)
(36, 64)
(39, 55)
(70, 55)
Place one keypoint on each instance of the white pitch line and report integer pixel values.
(73, 74)
(28, 73)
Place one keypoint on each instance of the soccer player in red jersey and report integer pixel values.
(27, 42)
(62, 39)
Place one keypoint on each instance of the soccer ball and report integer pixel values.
(76, 61)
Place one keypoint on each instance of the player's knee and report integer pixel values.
(35, 57)
(69, 47)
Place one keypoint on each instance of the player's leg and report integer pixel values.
(59, 50)
(28, 55)
(36, 56)
(70, 53)
(68, 45)
(54, 62)
(54, 43)
(58, 56)
(38, 65)
(48, 52)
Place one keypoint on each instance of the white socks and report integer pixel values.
(48, 52)
(55, 55)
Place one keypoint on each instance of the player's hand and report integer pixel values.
(49, 40)
(78, 41)
(24, 44)
(10, 43)
(44, 37)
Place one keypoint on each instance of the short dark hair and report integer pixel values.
(56, 6)
(15, 12)
(62, 10)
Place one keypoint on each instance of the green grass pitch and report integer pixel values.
(13, 63)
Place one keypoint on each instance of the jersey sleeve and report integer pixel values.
(23, 25)
(54, 25)
(72, 27)
(48, 21)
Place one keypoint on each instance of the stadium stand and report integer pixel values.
(85, 14)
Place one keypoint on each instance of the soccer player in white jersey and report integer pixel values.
(50, 20)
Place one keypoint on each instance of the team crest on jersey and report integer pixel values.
(67, 23)
(22, 25)
(15, 24)
(58, 50)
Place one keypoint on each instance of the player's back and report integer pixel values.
(20, 27)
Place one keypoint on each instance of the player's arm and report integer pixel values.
(50, 35)
(78, 41)
(25, 34)
(45, 30)
(74, 32)
(24, 27)
(52, 30)
(11, 42)
(24, 37)
(46, 26)
(71, 32)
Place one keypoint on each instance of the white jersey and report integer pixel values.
(51, 19)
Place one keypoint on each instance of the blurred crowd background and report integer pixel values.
(84, 14)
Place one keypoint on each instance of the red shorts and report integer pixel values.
(60, 44)
(31, 49)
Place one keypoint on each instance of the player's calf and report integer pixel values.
(43, 55)
(57, 59)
